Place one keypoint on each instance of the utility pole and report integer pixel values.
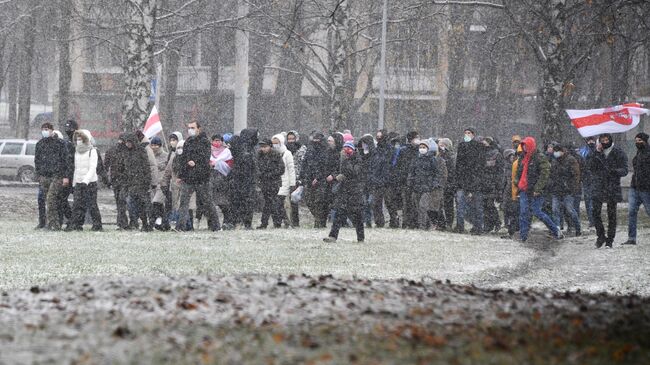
(382, 67)
(241, 73)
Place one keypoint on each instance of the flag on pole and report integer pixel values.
(616, 119)
(153, 125)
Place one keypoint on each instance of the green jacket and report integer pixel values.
(538, 173)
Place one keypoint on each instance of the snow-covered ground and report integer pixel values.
(29, 257)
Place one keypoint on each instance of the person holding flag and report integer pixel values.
(607, 165)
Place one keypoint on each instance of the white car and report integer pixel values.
(17, 159)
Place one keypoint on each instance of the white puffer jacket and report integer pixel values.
(85, 163)
(289, 176)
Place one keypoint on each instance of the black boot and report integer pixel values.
(599, 242)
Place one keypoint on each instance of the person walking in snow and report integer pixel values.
(288, 177)
(51, 168)
(85, 183)
(563, 185)
(422, 180)
(221, 162)
(640, 185)
(348, 198)
(608, 164)
(532, 176)
(298, 151)
(470, 165)
(271, 169)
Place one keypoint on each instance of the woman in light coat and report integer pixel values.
(84, 183)
(289, 175)
(170, 181)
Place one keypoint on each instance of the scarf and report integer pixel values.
(83, 148)
(530, 144)
(223, 161)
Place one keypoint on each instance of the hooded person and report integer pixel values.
(134, 167)
(531, 180)
(492, 184)
(221, 161)
(171, 183)
(112, 161)
(446, 151)
(422, 180)
(366, 149)
(436, 213)
(174, 139)
(509, 201)
(84, 182)
(563, 185)
(63, 205)
(608, 164)
(288, 177)
(407, 154)
(244, 176)
(158, 213)
(271, 170)
(313, 176)
(379, 175)
(639, 186)
(298, 151)
(145, 142)
(348, 198)
(194, 175)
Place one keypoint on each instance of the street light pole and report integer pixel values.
(382, 67)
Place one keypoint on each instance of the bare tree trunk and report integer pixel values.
(168, 99)
(12, 91)
(65, 70)
(25, 87)
(241, 74)
(553, 107)
(456, 72)
(139, 64)
(3, 43)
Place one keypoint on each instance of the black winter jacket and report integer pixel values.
(134, 166)
(51, 158)
(112, 161)
(197, 149)
(607, 172)
(450, 163)
(271, 168)
(380, 166)
(565, 176)
(317, 164)
(470, 165)
(407, 155)
(423, 173)
(641, 175)
(349, 195)
(493, 173)
(243, 175)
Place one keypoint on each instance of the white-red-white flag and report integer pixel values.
(153, 125)
(616, 119)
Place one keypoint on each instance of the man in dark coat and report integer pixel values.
(640, 186)
(65, 211)
(607, 165)
(564, 184)
(271, 169)
(51, 165)
(393, 190)
(243, 176)
(407, 155)
(379, 178)
(313, 176)
(133, 166)
(422, 179)
(470, 165)
(194, 176)
(492, 184)
(348, 199)
(112, 161)
(445, 145)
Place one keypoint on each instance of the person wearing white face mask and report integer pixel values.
(564, 184)
(288, 178)
(407, 154)
(470, 163)
(84, 183)
(422, 181)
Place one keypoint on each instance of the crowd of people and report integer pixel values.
(427, 184)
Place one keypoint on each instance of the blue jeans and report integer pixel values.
(635, 199)
(567, 201)
(475, 207)
(527, 204)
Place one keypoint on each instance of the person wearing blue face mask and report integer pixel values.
(470, 163)
(51, 165)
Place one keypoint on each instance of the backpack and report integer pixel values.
(101, 170)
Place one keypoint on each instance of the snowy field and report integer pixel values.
(284, 296)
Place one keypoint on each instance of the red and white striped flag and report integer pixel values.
(153, 125)
(616, 119)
